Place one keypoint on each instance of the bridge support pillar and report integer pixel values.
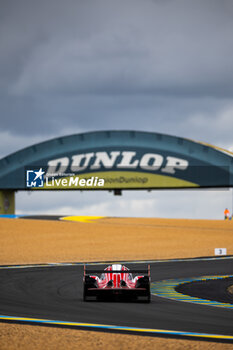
(7, 202)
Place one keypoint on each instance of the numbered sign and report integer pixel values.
(220, 251)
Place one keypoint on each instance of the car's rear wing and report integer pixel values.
(135, 271)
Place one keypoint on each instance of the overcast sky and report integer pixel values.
(152, 65)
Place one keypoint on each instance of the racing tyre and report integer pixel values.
(88, 282)
(84, 293)
(144, 282)
(148, 297)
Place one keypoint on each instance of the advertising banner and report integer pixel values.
(117, 160)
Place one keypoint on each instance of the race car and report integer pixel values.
(116, 282)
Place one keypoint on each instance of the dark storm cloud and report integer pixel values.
(84, 65)
(129, 47)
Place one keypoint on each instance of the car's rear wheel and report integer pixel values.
(88, 282)
(84, 293)
(148, 298)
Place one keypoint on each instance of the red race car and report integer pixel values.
(116, 281)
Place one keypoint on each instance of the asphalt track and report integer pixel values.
(55, 293)
(212, 289)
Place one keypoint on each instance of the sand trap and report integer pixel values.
(230, 289)
(34, 338)
(36, 241)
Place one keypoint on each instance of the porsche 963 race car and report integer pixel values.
(116, 282)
